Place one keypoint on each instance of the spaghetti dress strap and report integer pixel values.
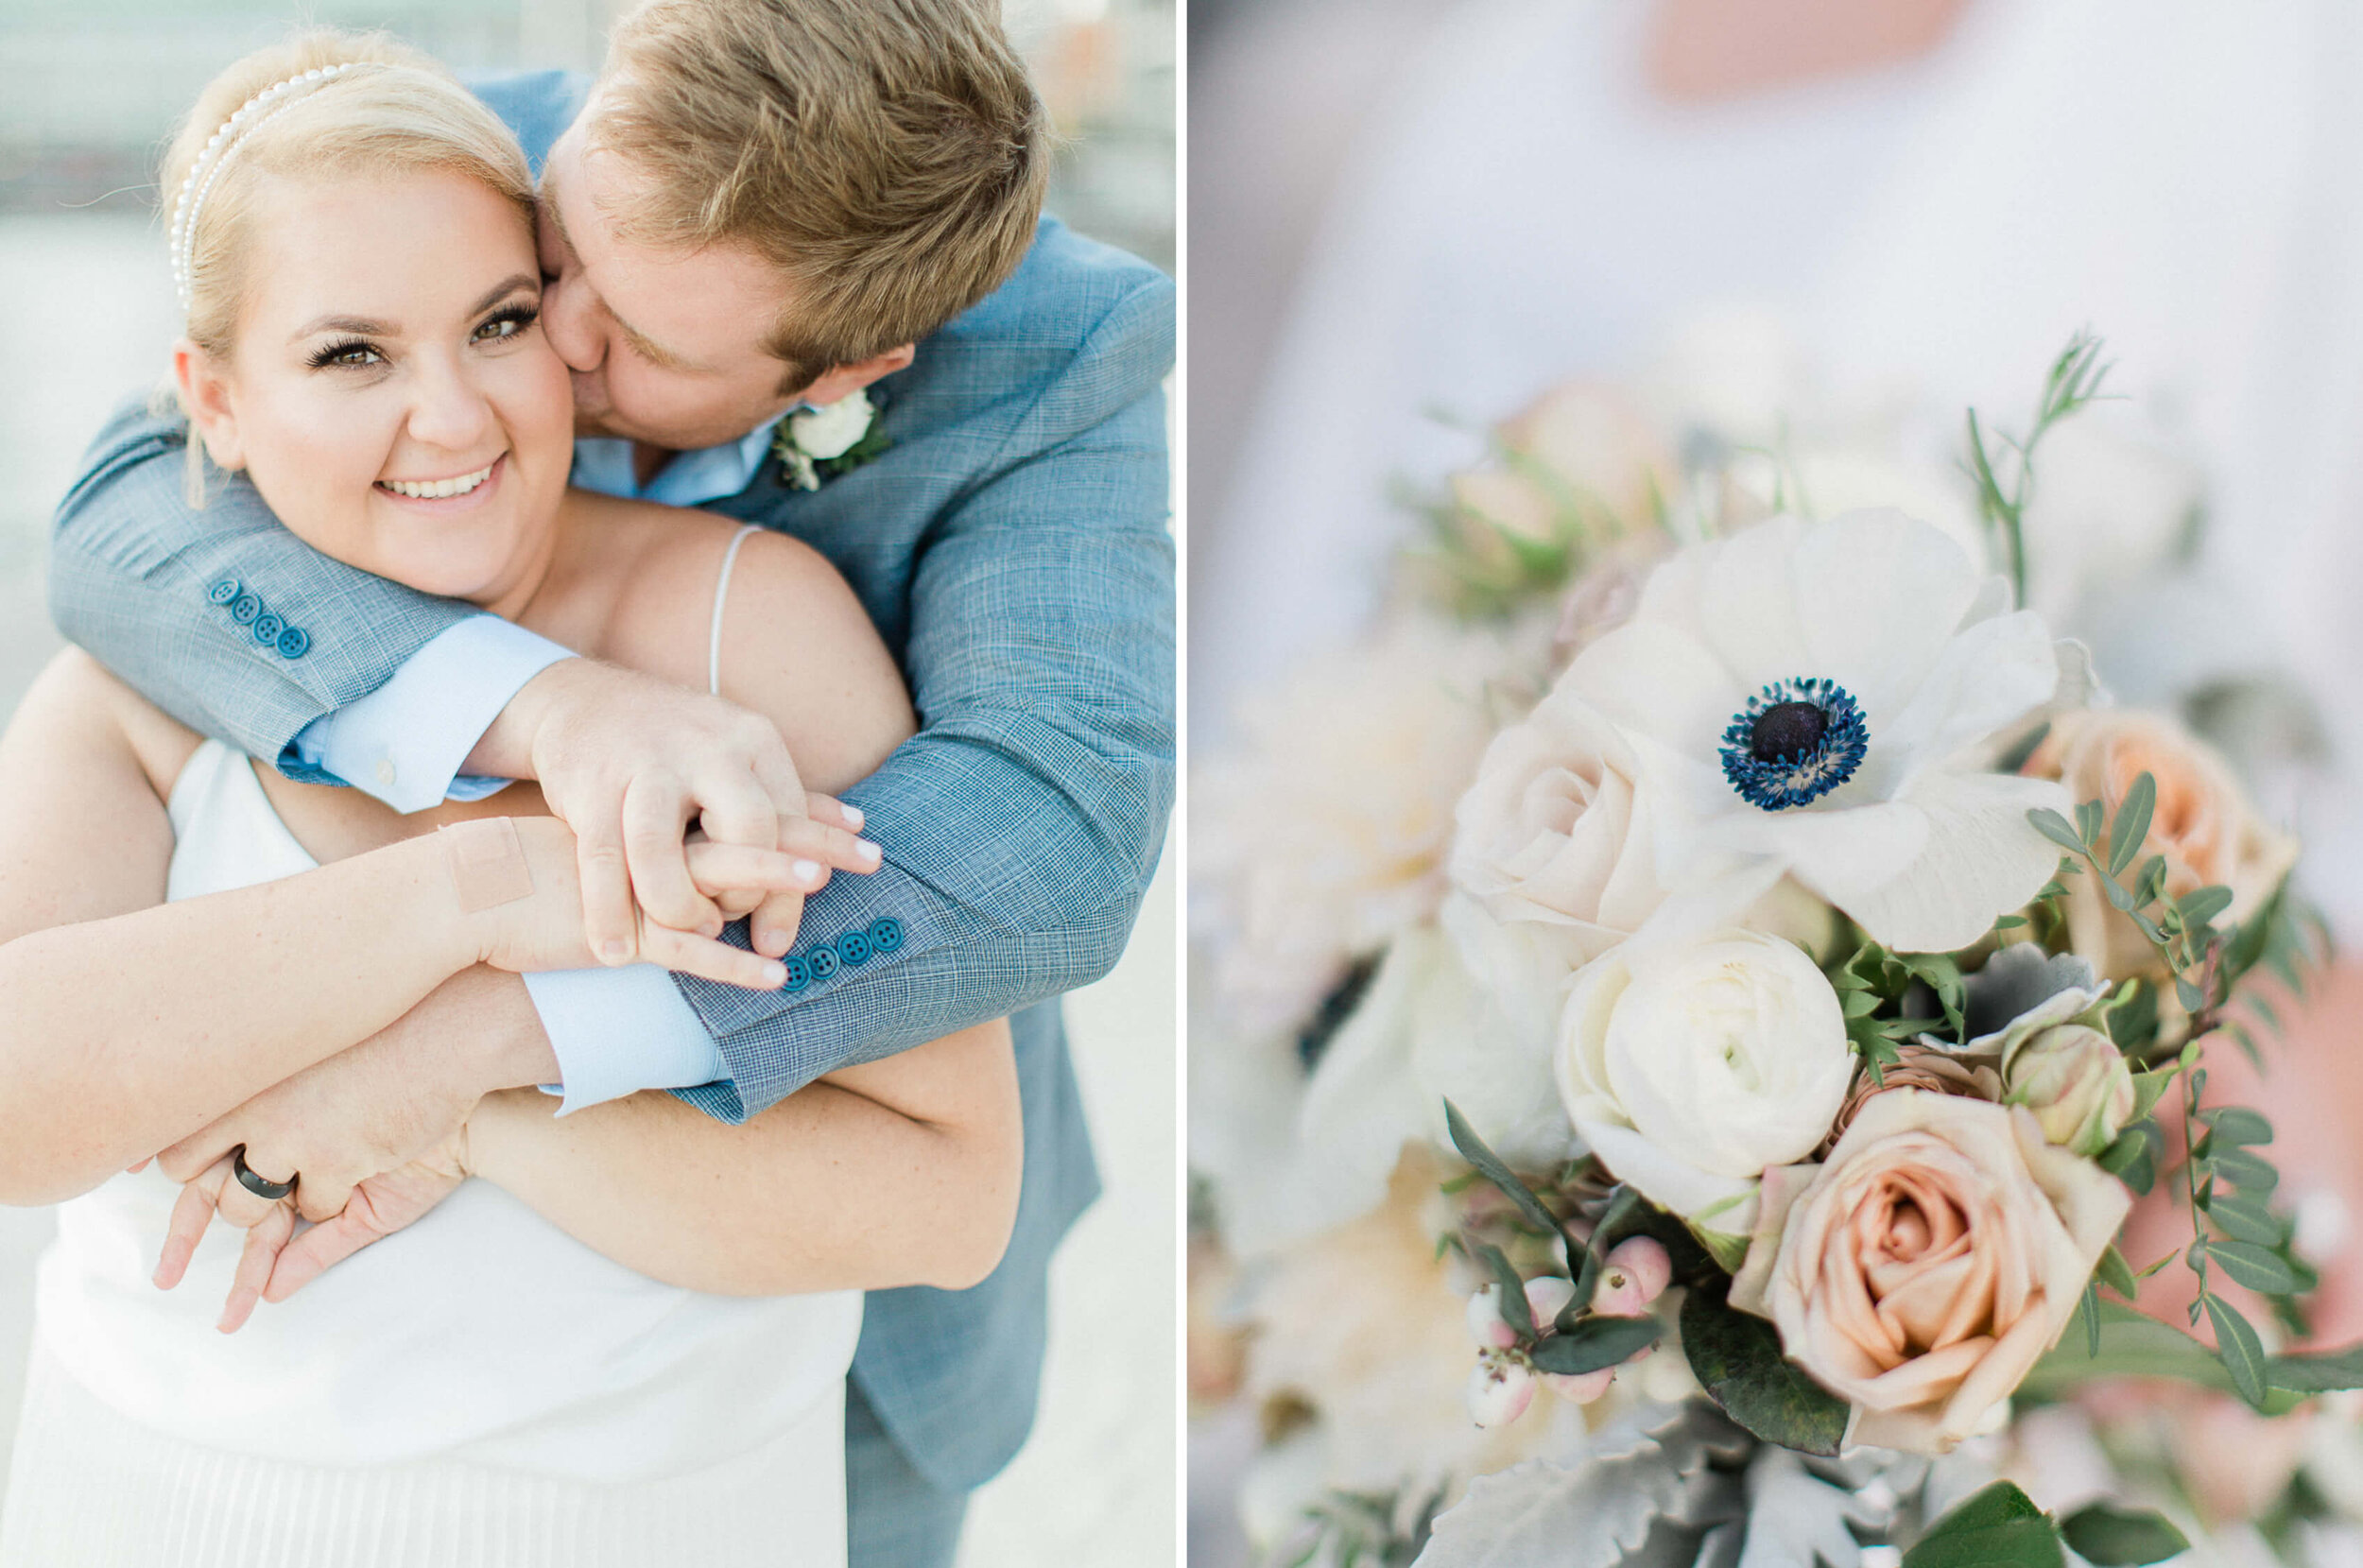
(721, 595)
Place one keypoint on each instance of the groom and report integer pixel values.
(762, 206)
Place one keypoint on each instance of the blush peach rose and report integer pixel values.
(1921, 1270)
(2204, 824)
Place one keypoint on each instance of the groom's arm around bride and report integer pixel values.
(717, 264)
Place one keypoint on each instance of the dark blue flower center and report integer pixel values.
(1795, 742)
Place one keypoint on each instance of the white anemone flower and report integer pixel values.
(1817, 698)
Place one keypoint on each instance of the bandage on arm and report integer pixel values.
(487, 861)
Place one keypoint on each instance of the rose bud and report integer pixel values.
(1486, 1325)
(2075, 1081)
(1500, 1388)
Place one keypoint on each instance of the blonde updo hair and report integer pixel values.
(392, 110)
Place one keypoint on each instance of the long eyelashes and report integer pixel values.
(509, 322)
(517, 317)
(348, 353)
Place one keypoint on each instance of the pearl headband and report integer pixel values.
(214, 155)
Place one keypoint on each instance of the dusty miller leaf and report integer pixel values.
(1651, 1467)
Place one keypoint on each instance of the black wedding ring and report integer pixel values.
(259, 1186)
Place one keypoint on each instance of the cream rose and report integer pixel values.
(1554, 836)
(2203, 823)
(1690, 1067)
(1921, 1270)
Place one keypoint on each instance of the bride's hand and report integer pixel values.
(544, 929)
(278, 1261)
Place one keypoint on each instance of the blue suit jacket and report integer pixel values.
(1011, 547)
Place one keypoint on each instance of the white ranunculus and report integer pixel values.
(830, 431)
(1690, 1066)
(1919, 844)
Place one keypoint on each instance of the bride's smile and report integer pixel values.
(388, 387)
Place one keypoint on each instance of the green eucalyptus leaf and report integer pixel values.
(2089, 818)
(2132, 1015)
(2132, 1159)
(2203, 904)
(2132, 823)
(2132, 1345)
(2128, 1147)
(1998, 1527)
(1473, 1149)
(1515, 1310)
(2255, 1267)
(2056, 828)
(2110, 1537)
(2318, 1374)
(1594, 1343)
(2244, 1219)
(2238, 1127)
(2236, 1344)
(1736, 1358)
(2250, 1172)
(2247, 946)
(2114, 1272)
(2148, 1089)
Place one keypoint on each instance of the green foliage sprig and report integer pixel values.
(2227, 1183)
(2073, 384)
(1999, 1526)
(1871, 987)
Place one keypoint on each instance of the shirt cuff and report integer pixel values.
(617, 1031)
(404, 743)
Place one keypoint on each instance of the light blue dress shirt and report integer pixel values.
(615, 1031)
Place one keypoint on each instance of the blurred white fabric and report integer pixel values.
(2182, 176)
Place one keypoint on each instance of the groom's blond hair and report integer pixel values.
(886, 156)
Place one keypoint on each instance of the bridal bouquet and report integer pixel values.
(1688, 1010)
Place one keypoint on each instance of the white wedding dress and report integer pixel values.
(479, 1390)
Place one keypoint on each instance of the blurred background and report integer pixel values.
(1410, 220)
(86, 317)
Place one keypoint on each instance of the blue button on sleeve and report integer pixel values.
(617, 1031)
(404, 743)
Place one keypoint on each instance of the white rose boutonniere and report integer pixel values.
(814, 443)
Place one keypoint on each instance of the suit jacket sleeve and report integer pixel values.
(220, 614)
(1023, 823)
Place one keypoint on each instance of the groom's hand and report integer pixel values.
(630, 763)
(377, 1106)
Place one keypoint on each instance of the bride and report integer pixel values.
(626, 1341)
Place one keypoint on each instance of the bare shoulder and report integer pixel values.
(795, 644)
(78, 708)
(797, 647)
